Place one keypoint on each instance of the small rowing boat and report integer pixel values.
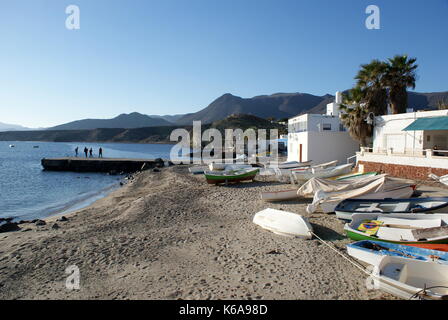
(198, 169)
(216, 177)
(355, 175)
(412, 279)
(291, 165)
(316, 167)
(371, 252)
(442, 179)
(399, 228)
(322, 173)
(329, 193)
(282, 195)
(284, 223)
(346, 208)
(431, 246)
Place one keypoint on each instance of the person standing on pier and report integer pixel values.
(100, 152)
(76, 151)
(86, 150)
(90, 152)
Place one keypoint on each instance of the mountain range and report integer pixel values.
(127, 121)
(12, 127)
(278, 106)
(287, 105)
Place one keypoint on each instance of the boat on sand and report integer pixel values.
(432, 246)
(322, 173)
(284, 223)
(227, 176)
(346, 208)
(399, 228)
(371, 252)
(290, 165)
(329, 193)
(282, 195)
(442, 179)
(412, 279)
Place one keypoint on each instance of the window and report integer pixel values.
(298, 127)
(326, 127)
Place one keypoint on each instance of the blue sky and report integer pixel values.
(177, 56)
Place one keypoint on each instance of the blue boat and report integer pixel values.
(371, 252)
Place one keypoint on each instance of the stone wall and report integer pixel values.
(402, 171)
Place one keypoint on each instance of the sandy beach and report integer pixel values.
(169, 235)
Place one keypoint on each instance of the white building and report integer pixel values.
(408, 145)
(320, 137)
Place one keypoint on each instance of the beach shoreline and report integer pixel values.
(169, 235)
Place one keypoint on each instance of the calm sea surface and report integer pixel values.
(28, 192)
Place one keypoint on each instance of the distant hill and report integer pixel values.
(138, 135)
(11, 127)
(287, 105)
(127, 121)
(246, 121)
(169, 118)
(159, 134)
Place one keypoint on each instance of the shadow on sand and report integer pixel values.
(327, 234)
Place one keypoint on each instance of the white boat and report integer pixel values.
(12, 146)
(322, 173)
(329, 193)
(409, 279)
(402, 192)
(198, 169)
(404, 228)
(318, 166)
(284, 223)
(355, 175)
(290, 165)
(442, 179)
(281, 195)
(348, 207)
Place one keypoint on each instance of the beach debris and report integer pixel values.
(55, 226)
(275, 251)
(40, 222)
(62, 219)
(9, 226)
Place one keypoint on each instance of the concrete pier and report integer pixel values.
(100, 164)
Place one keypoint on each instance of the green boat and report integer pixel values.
(228, 176)
(399, 228)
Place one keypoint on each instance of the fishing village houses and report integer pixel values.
(320, 137)
(408, 145)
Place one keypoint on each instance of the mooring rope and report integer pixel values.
(342, 255)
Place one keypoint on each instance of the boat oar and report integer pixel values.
(388, 225)
(378, 247)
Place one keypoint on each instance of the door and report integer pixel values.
(300, 153)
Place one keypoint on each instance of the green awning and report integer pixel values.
(436, 123)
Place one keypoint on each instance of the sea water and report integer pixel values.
(28, 192)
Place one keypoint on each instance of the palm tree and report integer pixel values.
(353, 115)
(400, 75)
(370, 81)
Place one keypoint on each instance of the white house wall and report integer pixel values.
(321, 146)
(389, 132)
(328, 146)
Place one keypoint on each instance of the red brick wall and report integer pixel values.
(402, 171)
